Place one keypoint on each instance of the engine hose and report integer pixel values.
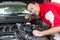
(31, 37)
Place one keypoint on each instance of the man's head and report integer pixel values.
(33, 8)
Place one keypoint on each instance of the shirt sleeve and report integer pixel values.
(54, 18)
(56, 22)
(50, 16)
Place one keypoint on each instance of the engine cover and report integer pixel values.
(12, 18)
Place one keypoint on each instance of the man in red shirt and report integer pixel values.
(49, 13)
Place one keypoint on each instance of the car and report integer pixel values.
(13, 22)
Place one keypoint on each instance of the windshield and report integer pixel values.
(13, 8)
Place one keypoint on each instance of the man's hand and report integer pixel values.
(32, 16)
(37, 33)
(27, 17)
(46, 32)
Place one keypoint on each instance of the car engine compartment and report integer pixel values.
(16, 27)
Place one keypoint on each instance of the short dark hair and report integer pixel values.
(29, 3)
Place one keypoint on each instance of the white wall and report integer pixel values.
(56, 1)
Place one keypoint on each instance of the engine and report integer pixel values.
(25, 31)
(18, 28)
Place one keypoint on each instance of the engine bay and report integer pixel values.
(14, 27)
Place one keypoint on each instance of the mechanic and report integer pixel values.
(50, 13)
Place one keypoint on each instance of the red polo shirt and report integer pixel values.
(50, 13)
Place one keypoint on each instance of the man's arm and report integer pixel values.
(46, 32)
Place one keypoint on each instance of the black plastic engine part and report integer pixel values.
(31, 37)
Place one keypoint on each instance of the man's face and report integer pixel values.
(33, 8)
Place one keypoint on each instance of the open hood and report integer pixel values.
(25, 1)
